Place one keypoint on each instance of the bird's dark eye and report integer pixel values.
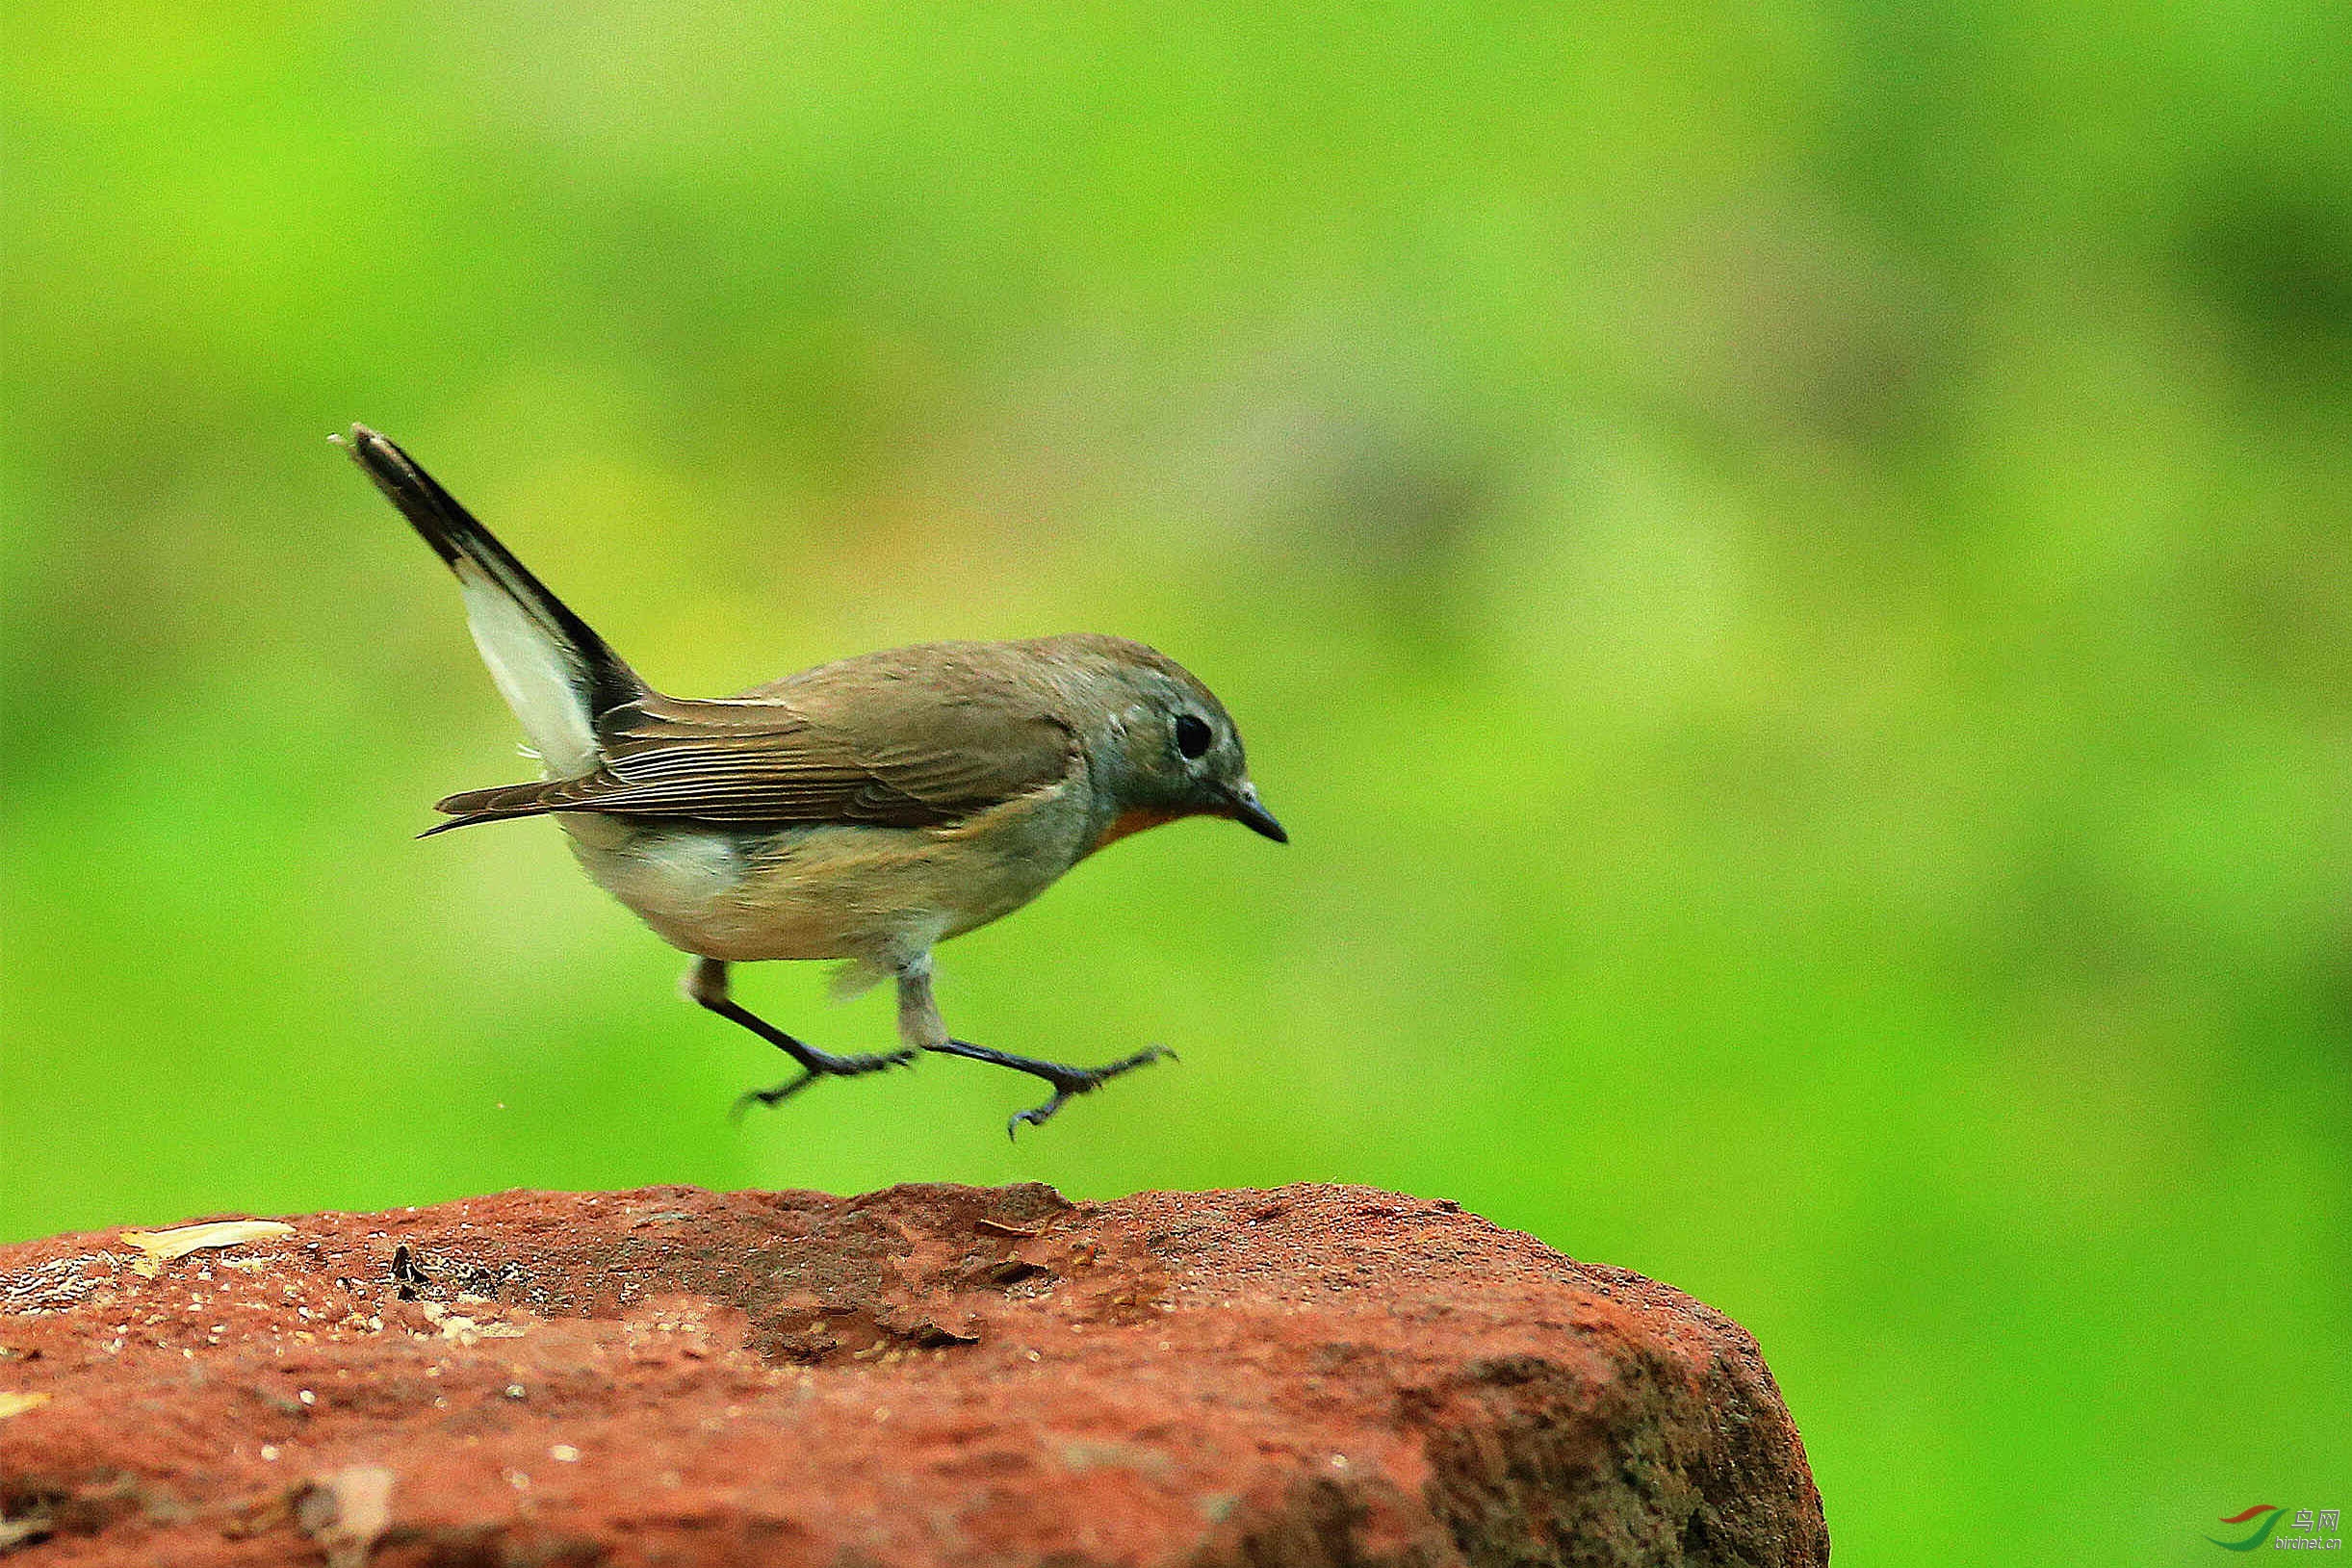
(1192, 736)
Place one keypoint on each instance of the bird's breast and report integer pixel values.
(882, 895)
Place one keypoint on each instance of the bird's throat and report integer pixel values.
(1136, 820)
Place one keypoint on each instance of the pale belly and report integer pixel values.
(879, 895)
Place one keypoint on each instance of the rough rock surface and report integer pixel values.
(928, 1375)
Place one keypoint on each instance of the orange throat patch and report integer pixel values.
(1134, 820)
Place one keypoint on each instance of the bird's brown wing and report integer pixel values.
(862, 742)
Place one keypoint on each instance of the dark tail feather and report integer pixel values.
(453, 532)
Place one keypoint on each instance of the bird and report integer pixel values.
(864, 811)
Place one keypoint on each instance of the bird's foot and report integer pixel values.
(814, 1065)
(1067, 1081)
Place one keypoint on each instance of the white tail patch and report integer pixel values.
(534, 672)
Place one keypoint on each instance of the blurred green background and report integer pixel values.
(1789, 569)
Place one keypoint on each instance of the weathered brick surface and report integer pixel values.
(925, 1375)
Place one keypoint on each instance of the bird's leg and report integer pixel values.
(707, 983)
(920, 1026)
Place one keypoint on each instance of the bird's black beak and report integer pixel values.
(1253, 816)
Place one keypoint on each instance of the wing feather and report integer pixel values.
(894, 739)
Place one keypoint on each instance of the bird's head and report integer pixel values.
(1159, 743)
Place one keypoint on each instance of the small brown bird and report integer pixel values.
(866, 809)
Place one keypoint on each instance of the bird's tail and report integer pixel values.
(557, 675)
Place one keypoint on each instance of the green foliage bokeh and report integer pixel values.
(1789, 569)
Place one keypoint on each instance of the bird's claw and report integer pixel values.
(821, 1065)
(768, 1097)
(1070, 1081)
